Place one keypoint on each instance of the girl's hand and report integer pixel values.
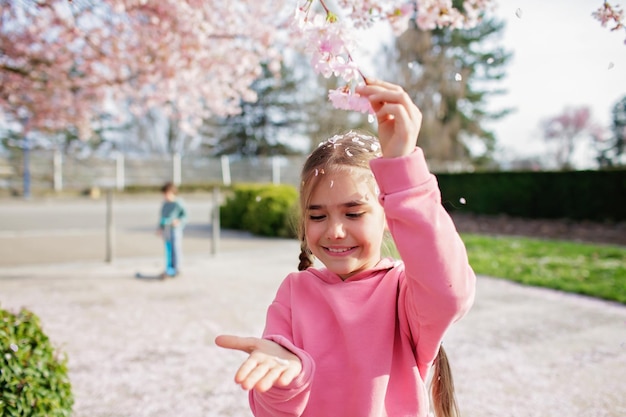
(399, 119)
(269, 363)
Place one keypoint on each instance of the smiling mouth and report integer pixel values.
(338, 251)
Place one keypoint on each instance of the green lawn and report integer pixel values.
(591, 269)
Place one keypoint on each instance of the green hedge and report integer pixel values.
(33, 376)
(262, 209)
(576, 195)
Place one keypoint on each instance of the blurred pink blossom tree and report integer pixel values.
(62, 61)
(567, 129)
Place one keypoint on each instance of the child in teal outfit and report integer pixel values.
(171, 224)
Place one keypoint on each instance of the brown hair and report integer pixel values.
(348, 150)
(355, 150)
(442, 387)
(169, 186)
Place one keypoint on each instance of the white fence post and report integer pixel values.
(176, 168)
(57, 167)
(225, 170)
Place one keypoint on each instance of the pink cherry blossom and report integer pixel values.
(345, 99)
(608, 14)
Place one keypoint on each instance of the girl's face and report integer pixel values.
(344, 222)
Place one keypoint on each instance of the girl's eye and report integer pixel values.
(355, 215)
(316, 218)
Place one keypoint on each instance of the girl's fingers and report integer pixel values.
(379, 97)
(399, 119)
(380, 83)
(253, 375)
(288, 375)
(268, 380)
(262, 373)
(391, 111)
(246, 368)
(244, 344)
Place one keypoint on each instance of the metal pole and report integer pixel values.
(26, 177)
(110, 228)
(120, 174)
(215, 221)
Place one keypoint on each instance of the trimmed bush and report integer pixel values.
(265, 210)
(577, 195)
(33, 376)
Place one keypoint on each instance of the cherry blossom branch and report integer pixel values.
(330, 40)
(608, 14)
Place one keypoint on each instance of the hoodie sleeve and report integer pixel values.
(440, 284)
(182, 211)
(289, 401)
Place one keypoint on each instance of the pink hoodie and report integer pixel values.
(367, 343)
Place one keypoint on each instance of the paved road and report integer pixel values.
(141, 347)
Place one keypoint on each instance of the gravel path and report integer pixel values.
(141, 347)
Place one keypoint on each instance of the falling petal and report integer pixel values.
(490, 61)
(611, 65)
(370, 118)
(458, 77)
(258, 198)
(411, 64)
(13, 347)
(518, 13)
(462, 200)
(332, 183)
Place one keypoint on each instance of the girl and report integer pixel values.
(358, 337)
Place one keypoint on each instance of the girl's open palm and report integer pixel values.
(268, 363)
(399, 119)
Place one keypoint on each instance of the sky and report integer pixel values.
(562, 57)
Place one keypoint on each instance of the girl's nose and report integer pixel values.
(336, 230)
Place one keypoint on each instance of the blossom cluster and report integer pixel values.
(608, 14)
(329, 39)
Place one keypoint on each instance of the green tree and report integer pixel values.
(450, 75)
(267, 126)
